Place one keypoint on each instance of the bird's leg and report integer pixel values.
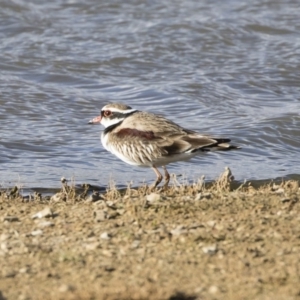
(158, 177)
(167, 177)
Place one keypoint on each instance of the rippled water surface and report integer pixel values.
(227, 68)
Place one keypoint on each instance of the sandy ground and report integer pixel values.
(185, 243)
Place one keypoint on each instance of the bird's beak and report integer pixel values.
(95, 120)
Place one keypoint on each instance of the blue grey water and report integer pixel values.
(229, 68)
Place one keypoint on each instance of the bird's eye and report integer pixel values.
(107, 113)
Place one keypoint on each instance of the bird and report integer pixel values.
(146, 139)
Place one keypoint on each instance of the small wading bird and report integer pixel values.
(148, 140)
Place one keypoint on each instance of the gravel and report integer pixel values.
(232, 244)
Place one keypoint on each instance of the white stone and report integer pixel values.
(213, 289)
(211, 249)
(45, 213)
(153, 197)
(211, 223)
(280, 191)
(105, 236)
(178, 230)
(45, 224)
(36, 232)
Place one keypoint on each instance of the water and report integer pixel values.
(219, 67)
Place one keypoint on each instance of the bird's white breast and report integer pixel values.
(110, 147)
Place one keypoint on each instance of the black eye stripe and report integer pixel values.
(117, 115)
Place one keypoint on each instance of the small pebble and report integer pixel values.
(113, 215)
(213, 289)
(4, 247)
(91, 246)
(201, 196)
(65, 288)
(107, 253)
(36, 232)
(109, 268)
(110, 204)
(275, 187)
(23, 271)
(121, 211)
(105, 236)
(284, 200)
(45, 224)
(178, 230)
(280, 191)
(11, 219)
(198, 197)
(206, 195)
(211, 249)
(135, 244)
(100, 215)
(45, 213)
(58, 197)
(153, 197)
(211, 223)
(9, 274)
(4, 237)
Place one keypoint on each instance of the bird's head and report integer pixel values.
(112, 114)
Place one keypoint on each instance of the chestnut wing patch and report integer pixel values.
(131, 132)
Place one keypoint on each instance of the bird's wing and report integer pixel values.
(165, 136)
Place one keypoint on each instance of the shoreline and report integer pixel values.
(27, 190)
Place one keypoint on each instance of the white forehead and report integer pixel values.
(118, 107)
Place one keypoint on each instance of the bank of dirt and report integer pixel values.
(185, 243)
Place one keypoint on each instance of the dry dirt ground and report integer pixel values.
(189, 242)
